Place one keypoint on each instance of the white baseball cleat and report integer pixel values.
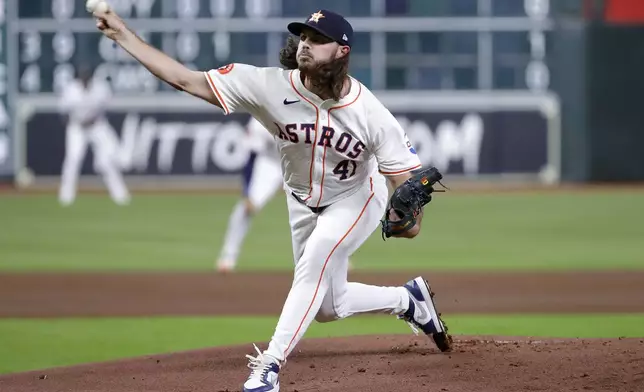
(422, 314)
(264, 375)
(225, 266)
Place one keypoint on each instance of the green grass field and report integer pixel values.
(554, 231)
(35, 344)
(184, 232)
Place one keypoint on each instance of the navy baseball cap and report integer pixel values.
(327, 23)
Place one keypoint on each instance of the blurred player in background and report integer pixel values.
(83, 103)
(262, 178)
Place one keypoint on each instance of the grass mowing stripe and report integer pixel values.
(185, 232)
(35, 343)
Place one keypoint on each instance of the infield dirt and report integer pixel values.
(376, 363)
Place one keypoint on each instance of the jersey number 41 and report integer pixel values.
(345, 169)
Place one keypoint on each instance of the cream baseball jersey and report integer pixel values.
(83, 104)
(328, 148)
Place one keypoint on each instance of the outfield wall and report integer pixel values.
(175, 141)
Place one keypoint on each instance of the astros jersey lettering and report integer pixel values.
(329, 148)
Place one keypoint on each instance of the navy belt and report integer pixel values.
(316, 210)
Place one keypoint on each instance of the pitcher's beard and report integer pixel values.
(308, 66)
(326, 78)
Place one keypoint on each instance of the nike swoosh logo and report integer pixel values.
(423, 313)
(287, 102)
(421, 309)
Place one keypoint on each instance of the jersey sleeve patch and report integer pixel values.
(226, 68)
(409, 146)
(238, 87)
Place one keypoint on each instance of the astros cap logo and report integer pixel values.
(316, 17)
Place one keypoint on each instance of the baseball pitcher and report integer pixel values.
(338, 146)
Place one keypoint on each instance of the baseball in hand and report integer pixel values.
(100, 6)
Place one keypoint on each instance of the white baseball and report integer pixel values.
(97, 6)
(90, 5)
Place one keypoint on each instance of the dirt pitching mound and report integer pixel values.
(382, 364)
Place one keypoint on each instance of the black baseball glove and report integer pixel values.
(408, 200)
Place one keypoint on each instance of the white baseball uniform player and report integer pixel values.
(337, 143)
(83, 101)
(262, 178)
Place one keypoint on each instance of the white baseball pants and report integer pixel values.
(102, 138)
(322, 244)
